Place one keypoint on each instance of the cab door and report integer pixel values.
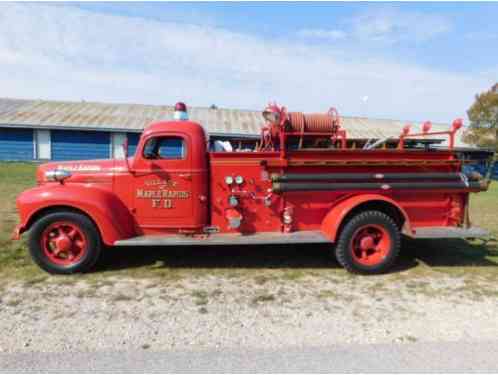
(163, 183)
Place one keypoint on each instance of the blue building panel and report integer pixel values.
(80, 145)
(133, 139)
(16, 144)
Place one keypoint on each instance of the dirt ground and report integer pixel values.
(267, 309)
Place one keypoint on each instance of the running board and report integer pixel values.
(226, 239)
(450, 232)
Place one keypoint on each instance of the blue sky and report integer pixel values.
(412, 61)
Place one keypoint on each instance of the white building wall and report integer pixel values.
(117, 151)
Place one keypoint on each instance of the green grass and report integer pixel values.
(288, 264)
(14, 261)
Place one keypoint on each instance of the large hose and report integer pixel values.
(279, 187)
(312, 123)
(473, 176)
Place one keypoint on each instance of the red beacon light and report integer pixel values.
(180, 112)
(180, 106)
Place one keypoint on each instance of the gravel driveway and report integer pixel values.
(268, 309)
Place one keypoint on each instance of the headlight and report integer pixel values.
(57, 175)
(228, 180)
(239, 180)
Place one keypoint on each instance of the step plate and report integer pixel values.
(226, 239)
(450, 232)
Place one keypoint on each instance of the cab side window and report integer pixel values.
(165, 148)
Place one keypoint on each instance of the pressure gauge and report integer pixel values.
(239, 180)
(228, 180)
(233, 201)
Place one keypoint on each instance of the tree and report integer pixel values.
(483, 116)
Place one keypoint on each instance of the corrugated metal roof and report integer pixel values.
(134, 117)
(122, 117)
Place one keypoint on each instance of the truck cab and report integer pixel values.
(168, 178)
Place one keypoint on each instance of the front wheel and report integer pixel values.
(369, 243)
(64, 243)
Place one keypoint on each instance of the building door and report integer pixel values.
(43, 146)
(80, 145)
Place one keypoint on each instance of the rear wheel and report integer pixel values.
(369, 243)
(64, 243)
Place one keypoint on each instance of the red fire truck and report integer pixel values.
(305, 182)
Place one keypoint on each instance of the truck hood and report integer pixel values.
(84, 170)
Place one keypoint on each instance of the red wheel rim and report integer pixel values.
(370, 245)
(63, 243)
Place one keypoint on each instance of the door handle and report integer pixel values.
(186, 176)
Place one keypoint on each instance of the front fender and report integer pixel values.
(334, 218)
(112, 217)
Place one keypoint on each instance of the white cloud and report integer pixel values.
(322, 34)
(59, 52)
(387, 25)
(390, 25)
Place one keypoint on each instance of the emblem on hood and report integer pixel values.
(80, 167)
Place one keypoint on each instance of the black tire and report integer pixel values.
(92, 246)
(344, 247)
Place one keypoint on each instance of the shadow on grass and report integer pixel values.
(434, 253)
(453, 252)
(248, 256)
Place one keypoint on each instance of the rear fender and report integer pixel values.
(112, 217)
(334, 219)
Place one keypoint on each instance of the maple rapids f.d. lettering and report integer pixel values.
(162, 194)
(167, 195)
